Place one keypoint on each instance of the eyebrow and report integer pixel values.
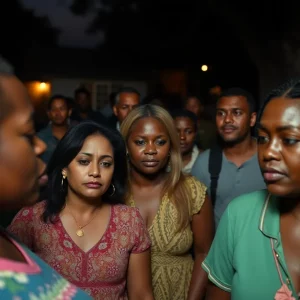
(231, 108)
(159, 136)
(102, 156)
(280, 128)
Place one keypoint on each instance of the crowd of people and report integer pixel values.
(149, 203)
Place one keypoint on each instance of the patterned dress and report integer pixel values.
(172, 263)
(101, 271)
(33, 279)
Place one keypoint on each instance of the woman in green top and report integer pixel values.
(256, 251)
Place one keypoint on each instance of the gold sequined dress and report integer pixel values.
(172, 263)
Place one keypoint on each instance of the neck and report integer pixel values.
(83, 115)
(290, 206)
(241, 148)
(59, 130)
(142, 180)
(82, 206)
(186, 157)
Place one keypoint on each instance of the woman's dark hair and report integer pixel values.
(66, 151)
(288, 90)
(184, 113)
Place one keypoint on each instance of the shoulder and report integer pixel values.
(200, 167)
(126, 211)
(248, 204)
(197, 193)
(204, 156)
(194, 184)
(34, 211)
(45, 132)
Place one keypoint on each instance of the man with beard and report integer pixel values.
(58, 114)
(232, 167)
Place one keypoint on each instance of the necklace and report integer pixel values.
(79, 231)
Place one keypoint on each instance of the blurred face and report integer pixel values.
(193, 104)
(148, 146)
(83, 102)
(127, 102)
(59, 112)
(279, 146)
(234, 119)
(21, 171)
(90, 172)
(187, 134)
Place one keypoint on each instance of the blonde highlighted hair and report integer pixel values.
(175, 185)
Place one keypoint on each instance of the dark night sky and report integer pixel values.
(73, 27)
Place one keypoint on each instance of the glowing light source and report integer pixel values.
(204, 68)
(43, 86)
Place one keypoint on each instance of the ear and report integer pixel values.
(115, 110)
(69, 112)
(252, 119)
(64, 172)
(48, 114)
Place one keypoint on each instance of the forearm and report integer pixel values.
(142, 296)
(199, 280)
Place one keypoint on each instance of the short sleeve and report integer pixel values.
(22, 227)
(219, 261)
(142, 240)
(198, 193)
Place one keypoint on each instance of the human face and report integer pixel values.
(59, 112)
(234, 119)
(90, 173)
(187, 134)
(193, 104)
(148, 146)
(83, 101)
(21, 171)
(279, 146)
(127, 102)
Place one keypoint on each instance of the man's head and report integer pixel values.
(126, 99)
(235, 115)
(194, 104)
(58, 110)
(83, 100)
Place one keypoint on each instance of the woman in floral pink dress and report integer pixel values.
(83, 230)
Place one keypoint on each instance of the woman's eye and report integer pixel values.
(161, 142)
(139, 142)
(106, 164)
(83, 162)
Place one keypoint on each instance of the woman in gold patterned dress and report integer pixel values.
(174, 206)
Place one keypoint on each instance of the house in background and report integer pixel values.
(62, 70)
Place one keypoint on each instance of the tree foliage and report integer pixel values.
(22, 30)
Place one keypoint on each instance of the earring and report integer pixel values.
(114, 190)
(168, 168)
(62, 180)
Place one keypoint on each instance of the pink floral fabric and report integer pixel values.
(101, 272)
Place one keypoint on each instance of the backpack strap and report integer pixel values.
(214, 168)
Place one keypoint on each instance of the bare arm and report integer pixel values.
(203, 230)
(139, 283)
(215, 293)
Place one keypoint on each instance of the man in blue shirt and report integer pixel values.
(58, 114)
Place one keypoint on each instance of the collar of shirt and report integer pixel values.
(270, 218)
